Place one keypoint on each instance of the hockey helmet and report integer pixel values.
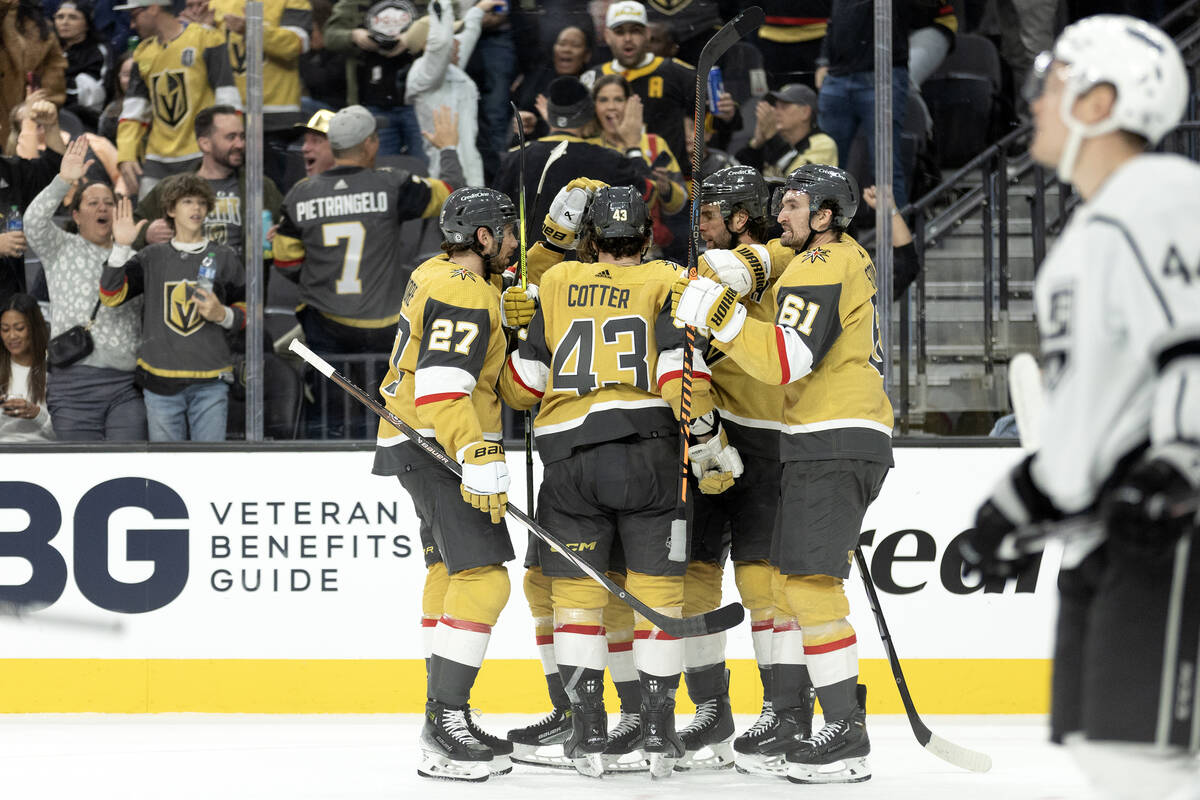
(735, 186)
(822, 183)
(618, 212)
(1141, 63)
(467, 210)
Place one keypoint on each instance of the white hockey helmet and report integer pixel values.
(1141, 63)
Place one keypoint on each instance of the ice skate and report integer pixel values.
(706, 739)
(502, 749)
(749, 739)
(541, 744)
(660, 742)
(623, 752)
(448, 750)
(762, 751)
(837, 753)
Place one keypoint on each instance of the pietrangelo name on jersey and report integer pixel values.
(597, 294)
(341, 205)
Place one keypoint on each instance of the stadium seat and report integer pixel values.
(962, 97)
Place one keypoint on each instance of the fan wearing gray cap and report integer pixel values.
(339, 237)
(555, 160)
(786, 134)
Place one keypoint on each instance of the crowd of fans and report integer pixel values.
(121, 123)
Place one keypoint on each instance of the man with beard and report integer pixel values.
(221, 135)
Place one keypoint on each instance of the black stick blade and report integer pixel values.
(749, 21)
(722, 619)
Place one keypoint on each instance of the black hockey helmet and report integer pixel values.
(617, 212)
(469, 209)
(822, 183)
(735, 186)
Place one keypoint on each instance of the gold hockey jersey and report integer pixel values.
(603, 356)
(169, 85)
(822, 344)
(448, 353)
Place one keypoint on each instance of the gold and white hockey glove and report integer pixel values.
(517, 306)
(745, 269)
(715, 463)
(709, 306)
(485, 478)
(561, 226)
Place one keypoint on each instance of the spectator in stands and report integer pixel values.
(221, 135)
(906, 264)
(20, 180)
(619, 121)
(93, 399)
(555, 160)
(317, 154)
(88, 61)
(375, 72)
(846, 81)
(661, 41)
(493, 67)
(185, 365)
(27, 139)
(30, 58)
(23, 372)
(111, 116)
(791, 38)
(931, 40)
(571, 55)
(287, 26)
(691, 25)
(178, 69)
(786, 134)
(322, 71)
(436, 81)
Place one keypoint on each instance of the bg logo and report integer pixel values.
(166, 549)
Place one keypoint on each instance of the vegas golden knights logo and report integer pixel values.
(669, 6)
(237, 53)
(169, 90)
(179, 309)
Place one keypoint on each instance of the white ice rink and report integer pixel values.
(277, 757)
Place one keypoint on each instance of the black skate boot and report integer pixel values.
(448, 750)
(541, 744)
(660, 742)
(623, 753)
(835, 754)
(589, 727)
(502, 749)
(706, 738)
(749, 740)
(761, 751)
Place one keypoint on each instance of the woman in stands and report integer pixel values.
(24, 416)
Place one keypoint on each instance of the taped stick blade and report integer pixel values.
(958, 755)
(722, 619)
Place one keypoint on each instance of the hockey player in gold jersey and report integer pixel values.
(823, 345)
(604, 359)
(449, 350)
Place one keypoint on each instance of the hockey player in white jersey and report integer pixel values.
(1118, 307)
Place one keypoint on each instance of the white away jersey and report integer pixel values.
(1125, 271)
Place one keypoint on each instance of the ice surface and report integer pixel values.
(265, 757)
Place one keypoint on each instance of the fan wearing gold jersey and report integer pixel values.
(604, 358)
(449, 350)
(822, 344)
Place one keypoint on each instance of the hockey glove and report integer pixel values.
(1137, 512)
(746, 269)
(517, 306)
(990, 547)
(708, 306)
(485, 478)
(715, 463)
(561, 226)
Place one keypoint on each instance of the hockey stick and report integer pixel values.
(713, 622)
(736, 29)
(949, 752)
(527, 415)
(1030, 539)
(22, 612)
(1025, 389)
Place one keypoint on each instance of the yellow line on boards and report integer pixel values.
(505, 686)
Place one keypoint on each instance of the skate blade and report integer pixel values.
(771, 766)
(547, 756)
(710, 756)
(590, 765)
(849, 770)
(500, 765)
(439, 767)
(633, 761)
(661, 765)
